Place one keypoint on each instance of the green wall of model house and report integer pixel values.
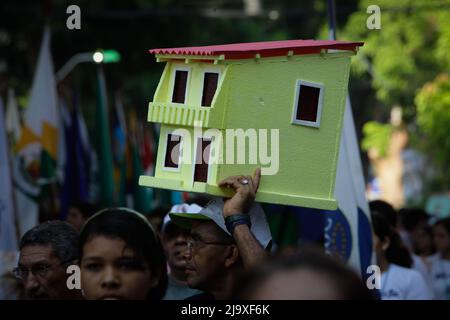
(259, 94)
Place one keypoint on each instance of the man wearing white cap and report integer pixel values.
(174, 242)
(225, 236)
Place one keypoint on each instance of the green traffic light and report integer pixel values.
(106, 56)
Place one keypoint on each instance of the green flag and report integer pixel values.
(143, 196)
(103, 143)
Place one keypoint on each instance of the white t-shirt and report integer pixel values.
(440, 277)
(399, 283)
(423, 266)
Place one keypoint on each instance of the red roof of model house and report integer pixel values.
(264, 49)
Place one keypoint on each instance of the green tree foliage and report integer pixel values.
(433, 117)
(404, 59)
(410, 49)
(377, 136)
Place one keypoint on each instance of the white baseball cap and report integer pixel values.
(214, 211)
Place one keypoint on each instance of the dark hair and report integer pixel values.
(139, 236)
(350, 285)
(60, 235)
(411, 218)
(443, 222)
(87, 209)
(396, 253)
(386, 210)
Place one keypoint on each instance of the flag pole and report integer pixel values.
(331, 20)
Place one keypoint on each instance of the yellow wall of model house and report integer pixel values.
(189, 144)
(261, 95)
(194, 85)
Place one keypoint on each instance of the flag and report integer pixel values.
(143, 197)
(348, 231)
(8, 232)
(41, 128)
(103, 144)
(119, 143)
(91, 159)
(12, 117)
(76, 173)
(25, 152)
(63, 122)
(41, 115)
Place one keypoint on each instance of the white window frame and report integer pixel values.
(172, 83)
(320, 86)
(180, 156)
(210, 70)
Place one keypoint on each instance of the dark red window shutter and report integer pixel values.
(201, 164)
(308, 103)
(209, 88)
(172, 151)
(179, 87)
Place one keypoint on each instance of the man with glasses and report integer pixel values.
(45, 252)
(225, 236)
(174, 242)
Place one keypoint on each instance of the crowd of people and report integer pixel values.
(413, 253)
(215, 249)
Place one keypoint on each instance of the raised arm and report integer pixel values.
(250, 249)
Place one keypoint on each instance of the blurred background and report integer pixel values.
(99, 142)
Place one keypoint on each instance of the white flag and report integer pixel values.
(8, 233)
(12, 116)
(41, 115)
(350, 194)
(39, 135)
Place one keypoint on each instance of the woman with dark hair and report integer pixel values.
(398, 280)
(440, 263)
(121, 257)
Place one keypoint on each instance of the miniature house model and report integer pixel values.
(289, 95)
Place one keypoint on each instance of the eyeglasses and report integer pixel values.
(38, 270)
(194, 242)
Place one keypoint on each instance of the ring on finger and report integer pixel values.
(244, 181)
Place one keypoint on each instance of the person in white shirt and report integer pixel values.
(398, 280)
(440, 263)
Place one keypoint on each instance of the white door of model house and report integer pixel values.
(202, 156)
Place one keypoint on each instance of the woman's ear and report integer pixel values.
(232, 256)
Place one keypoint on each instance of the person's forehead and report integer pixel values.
(105, 247)
(32, 254)
(171, 230)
